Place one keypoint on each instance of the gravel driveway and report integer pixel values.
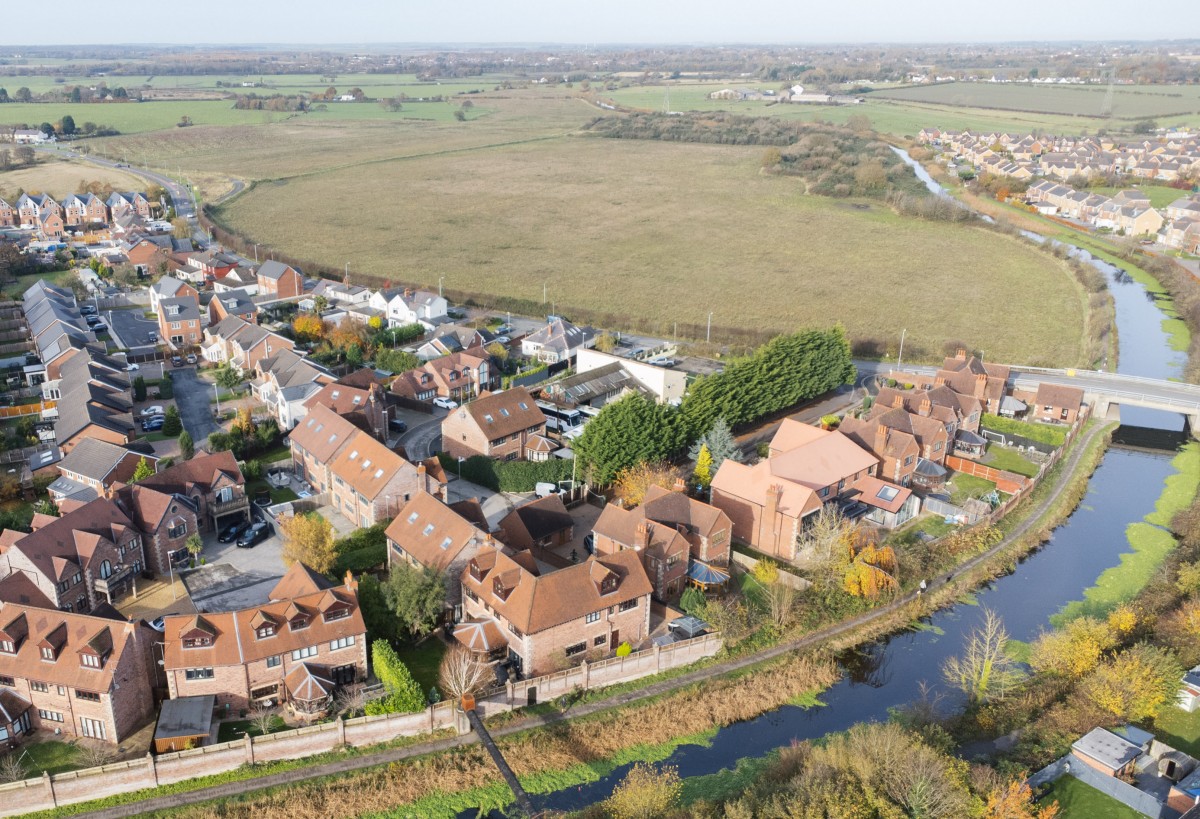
(194, 396)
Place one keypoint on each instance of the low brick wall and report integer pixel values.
(151, 771)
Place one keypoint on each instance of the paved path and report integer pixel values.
(809, 641)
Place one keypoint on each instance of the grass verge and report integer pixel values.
(1077, 800)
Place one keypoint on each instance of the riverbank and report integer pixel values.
(1150, 544)
(687, 695)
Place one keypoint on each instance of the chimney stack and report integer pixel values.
(767, 527)
(898, 402)
(680, 485)
(981, 385)
(642, 539)
(926, 407)
(351, 583)
(881, 438)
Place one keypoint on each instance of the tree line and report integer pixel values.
(784, 372)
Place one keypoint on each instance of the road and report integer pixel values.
(423, 440)
(194, 396)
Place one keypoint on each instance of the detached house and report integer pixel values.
(73, 674)
(236, 303)
(662, 549)
(298, 649)
(365, 408)
(460, 376)
(402, 306)
(212, 483)
(771, 502)
(242, 344)
(169, 287)
(8, 216)
(277, 280)
(564, 616)
(179, 320)
(285, 382)
(558, 341)
(501, 425)
(92, 466)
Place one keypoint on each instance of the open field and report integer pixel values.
(667, 232)
(1128, 102)
(373, 85)
(59, 177)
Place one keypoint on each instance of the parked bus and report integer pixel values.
(560, 419)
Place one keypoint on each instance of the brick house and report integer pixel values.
(559, 340)
(910, 446)
(8, 216)
(31, 206)
(299, 648)
(284, 382)
(369, 482)
(278, 280)
(556, 619)
(662, 549)
(459, 376)
(50, 225)
(314, 443)
(146, 256)
(1056, 404)
(81, 675)
(179, 321)
(93, 395)
(499, 425)
(214, 264)
(770, 503)
(89, 556)
(896, 450)
(235, 302)
(428, 533)
(213, 483)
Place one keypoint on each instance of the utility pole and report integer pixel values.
(543, 294)
(440, 280)
(900, 358)
(708, 333)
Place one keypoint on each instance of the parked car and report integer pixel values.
(254, 535)
(100, 328)
(87, 310)
(231, 532)
(445, 403)
(92, 320)
(503, 329)
(154, 424)
(503, 340)
(398, 424)
(191, 358)
(132, 368)
(152, 337)
(154, 410)
(176, 361)
(663, 362)
(158, 624)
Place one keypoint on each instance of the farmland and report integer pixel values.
(59, 178)
(1128, 102)
(655, 221)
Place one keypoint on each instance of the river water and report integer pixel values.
(888, 673)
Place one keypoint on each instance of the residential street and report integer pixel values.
(194, 397)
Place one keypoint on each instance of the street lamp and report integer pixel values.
(900, 357)
(440, 279)
(217, 397)
(708, 333)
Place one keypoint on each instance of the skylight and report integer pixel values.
(887, 493)
(335, 394)
(428, 529)
(504, 411)
(489, 418)
(523, 405)
(353, 454)
(378, 473)
(413, 517)
(446, 544)
(367, 463)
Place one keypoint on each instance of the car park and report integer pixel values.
(254, 535)
(445, 403)
(233, 531)
(154, 410)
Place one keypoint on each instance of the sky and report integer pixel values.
(613, 21)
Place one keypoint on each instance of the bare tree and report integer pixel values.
(463, 673)
(984, 671)
(11, 769)
(93, 755)
(262, 719)
(825, 539)
(351, 699)
(781, 602)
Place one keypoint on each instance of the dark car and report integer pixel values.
(398, 424)
(176, 361)
(230, 533)
(154, 424)
(255, 534)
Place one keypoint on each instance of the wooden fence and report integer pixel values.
(1008, 482)
(151, 771)
(27, 409)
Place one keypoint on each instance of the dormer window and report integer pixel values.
(337, 613)
(90, 660)
(298, 623)
(608, 584)
(48, 654)
(8, 646)
(500, 590)
(476, 571)
(264, 631)
(197, 641)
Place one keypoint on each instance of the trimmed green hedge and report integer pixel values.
(508, 476)
(363, 550)
(1051, 434)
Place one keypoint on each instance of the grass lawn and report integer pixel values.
(277, 495)
(51, 756)
(1179, 729)
(933, 525)
(423, 661)
(238, 728)
(963, 487)
(1079, 801)
(279, 453)
(1010, 460)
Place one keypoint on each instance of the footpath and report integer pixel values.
(809, 641)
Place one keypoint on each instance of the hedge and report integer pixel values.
(508, 476)
(363, 550)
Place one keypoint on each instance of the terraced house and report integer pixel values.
(296, 649)
(74, 674)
